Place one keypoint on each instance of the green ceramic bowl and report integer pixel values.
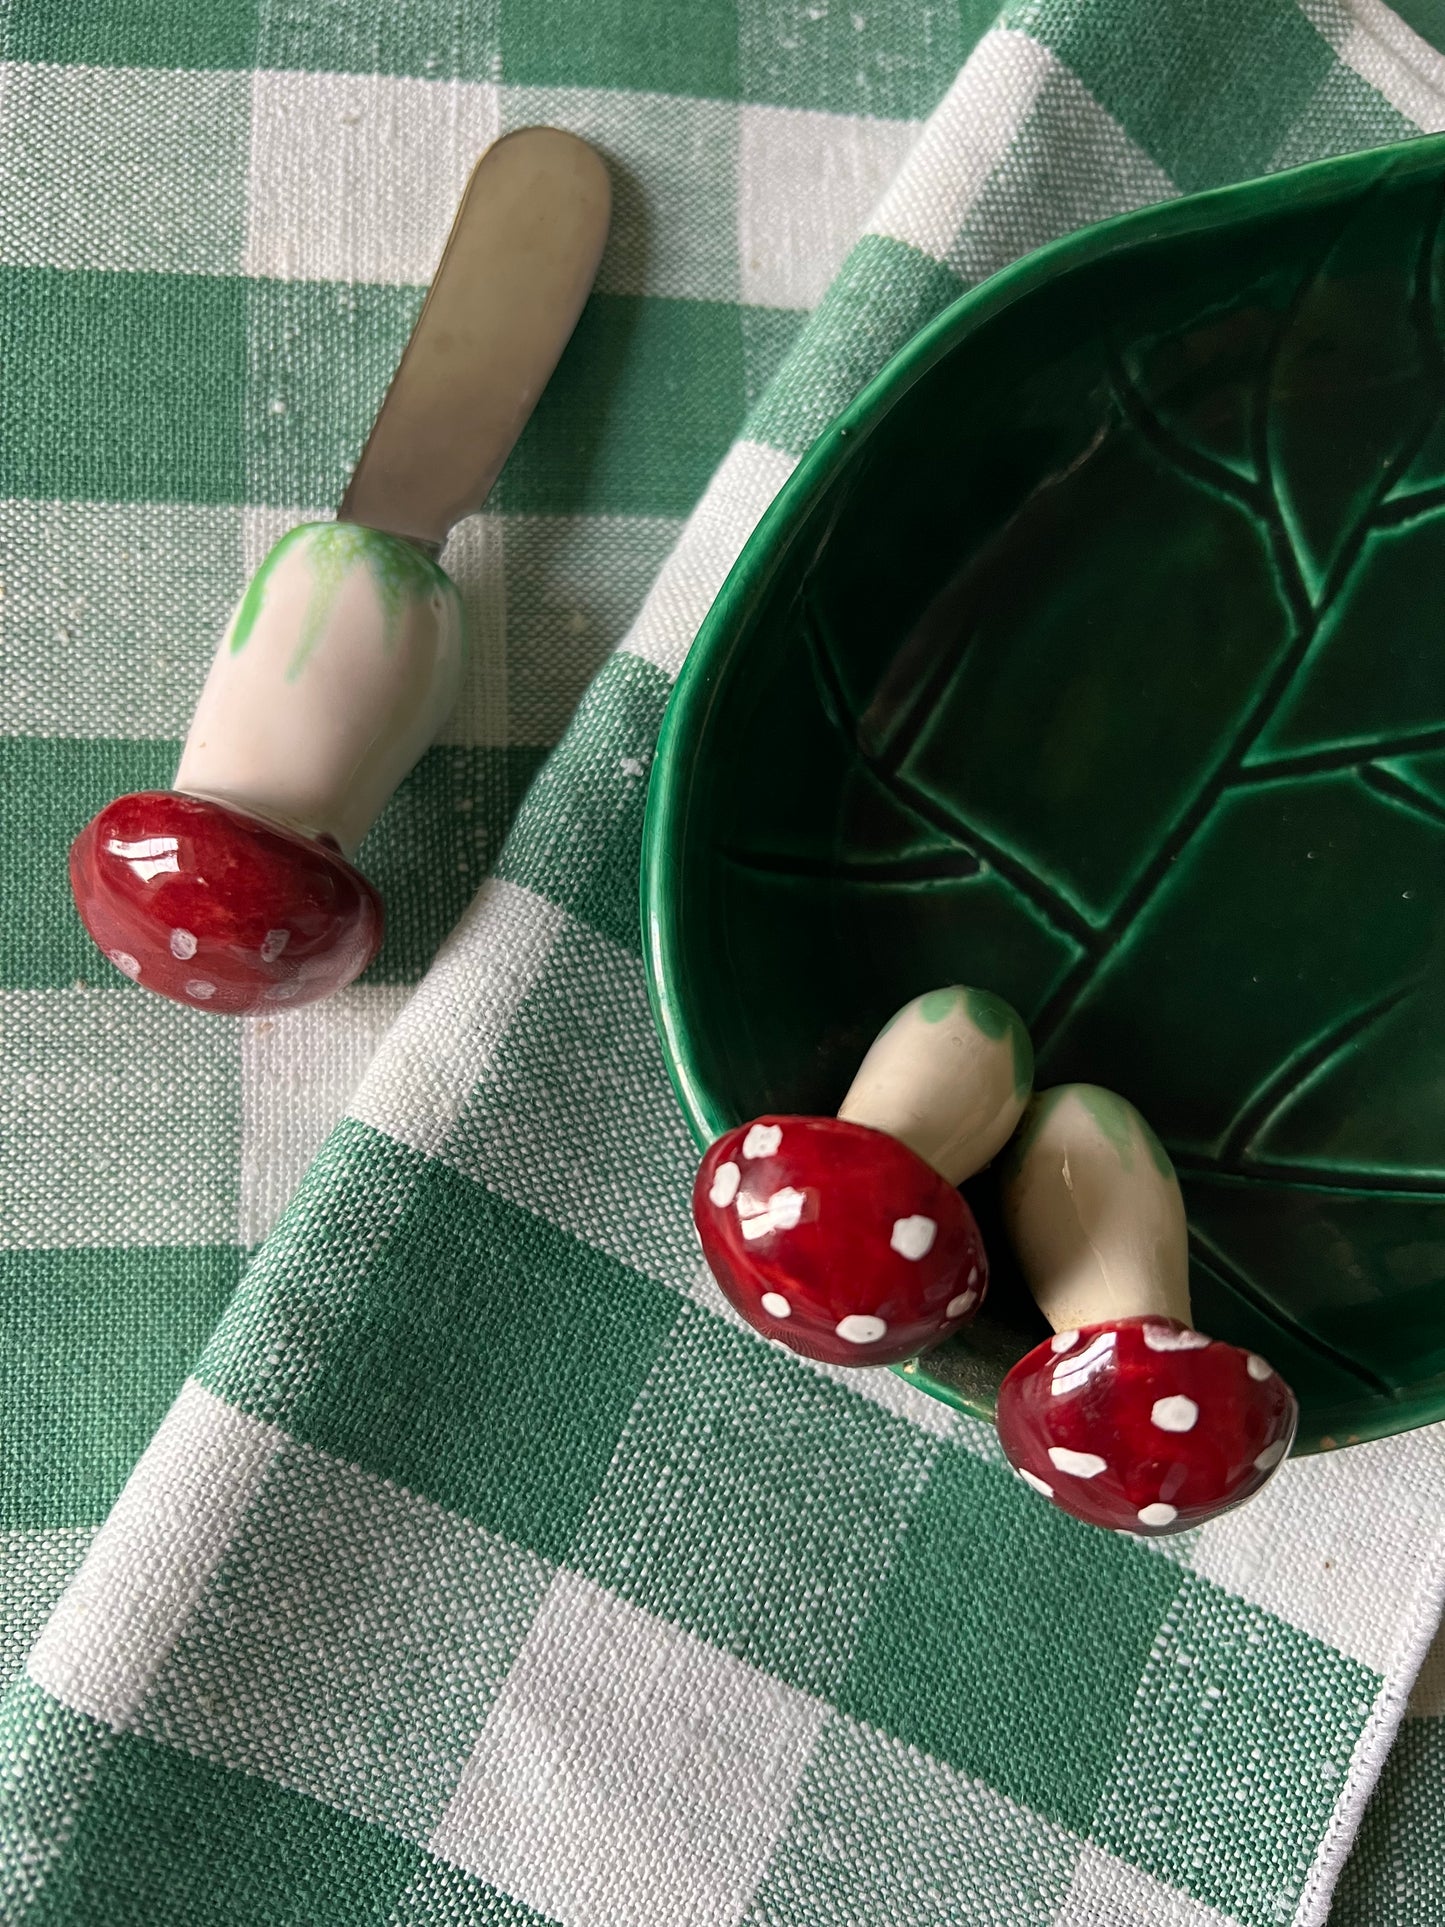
(1097, 655)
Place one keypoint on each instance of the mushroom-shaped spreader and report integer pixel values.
(845, 1237)
(1127, 1417)
(236, 890)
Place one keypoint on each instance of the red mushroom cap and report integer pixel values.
(1143, 1425)
(837, 1239)
(217, 909)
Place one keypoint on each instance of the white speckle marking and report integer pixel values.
(1270, 1457)
(1039, 1485)
(1063, 1341)
(781, 1212)
(725, 1182)
(1175, 1414)
(1158, 1514)
(1079, 1367)
(274, 942)
(776, 1305)
(762, 1140)
(1159, 1338)
(183, 945)
(861, 1329)
(125, 963)
(956, 1307)
(198, 988)
(913, 1237)
(1083, 1465)
(1258, 1368)
(786, 1208)
(972, 1276)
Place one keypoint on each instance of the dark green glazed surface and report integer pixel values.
(1097, 656)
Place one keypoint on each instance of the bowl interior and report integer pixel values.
(1098, 657)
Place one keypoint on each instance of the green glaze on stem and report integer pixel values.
(997, 1018)
(1115, 1117)
(935, 1005)
(400, 573)
(1031, 1123)
(1121, 1123)
(991, 1016)
(245, 618)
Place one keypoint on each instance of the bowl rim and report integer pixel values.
(715, 647)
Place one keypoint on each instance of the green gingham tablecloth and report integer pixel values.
(479, 1566)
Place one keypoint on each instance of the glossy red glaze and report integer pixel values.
(1143, 1425)
(837, 1239)
(217, 909)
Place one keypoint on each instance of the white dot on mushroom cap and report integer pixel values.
(274, 942)
(1158, 1514)
(1063, 1341)
(1160, 1338)
(762, 1140)
(1039, 1485)
(786, 1207)
(861, 1329)
(725, 1182)
(776, 1305)
(1079, 1367)
(956, 1307)
(913, 1237)
(1258, 1367)
(1175, 1414)
(973, 1276)
(781, 1212)
(125, 963)
(1083, 1465)
(282, 993)
(198, 988)
(183, 945)
(1270, 1457)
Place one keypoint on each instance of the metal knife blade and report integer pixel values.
(517, 267)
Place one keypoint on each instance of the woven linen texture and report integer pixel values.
(438, 1547)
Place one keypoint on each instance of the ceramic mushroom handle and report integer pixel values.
(236, 890)
(844, 1237)
(1127, 1417)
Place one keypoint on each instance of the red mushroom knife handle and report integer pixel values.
(837, 1239)
(1127, 1417)
(235, 891)
(845, 1238)
(217, 909)
(1144, 1425)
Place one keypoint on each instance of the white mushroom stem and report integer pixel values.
(949, 1076)
(336, 671)
(1094, 1212)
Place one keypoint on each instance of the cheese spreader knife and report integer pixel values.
(236, 890)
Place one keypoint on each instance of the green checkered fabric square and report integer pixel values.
(396, 1526)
